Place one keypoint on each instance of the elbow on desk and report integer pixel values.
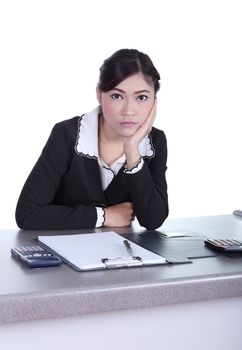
(152, 226)
(23, 219)
(154, 222)
(21, 222)
(28, 222)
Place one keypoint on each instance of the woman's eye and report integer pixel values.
(142, 97)
(116, 96)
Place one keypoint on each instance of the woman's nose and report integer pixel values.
(128, 109)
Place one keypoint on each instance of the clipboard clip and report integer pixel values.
(122, 261)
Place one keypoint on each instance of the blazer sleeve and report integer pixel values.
(35, 208)
(148, 187)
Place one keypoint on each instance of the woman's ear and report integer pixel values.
(98, 94)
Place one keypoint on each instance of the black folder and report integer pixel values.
(174, 249)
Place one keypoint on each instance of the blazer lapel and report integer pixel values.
(94, 179)
(117, 191)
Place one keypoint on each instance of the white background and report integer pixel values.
(50, 56)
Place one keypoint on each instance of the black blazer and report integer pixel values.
(64, 186)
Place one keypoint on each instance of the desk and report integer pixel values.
(174, 306)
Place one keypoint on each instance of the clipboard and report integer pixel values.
(99, 251)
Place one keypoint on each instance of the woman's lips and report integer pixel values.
(127, 124)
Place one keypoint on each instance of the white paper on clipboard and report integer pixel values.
(85, 251)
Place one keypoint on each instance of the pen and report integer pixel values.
(128, 247)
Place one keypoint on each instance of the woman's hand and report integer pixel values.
(131, 143)
(118, 215)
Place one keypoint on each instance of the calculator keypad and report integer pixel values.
(32, 251)
(229, 244)
(35, 256)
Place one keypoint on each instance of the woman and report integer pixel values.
(107, 166)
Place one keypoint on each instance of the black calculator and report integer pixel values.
(226, 245)
(35, 256)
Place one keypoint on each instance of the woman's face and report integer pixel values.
(127, 106)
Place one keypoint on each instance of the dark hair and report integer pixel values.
(124, 63)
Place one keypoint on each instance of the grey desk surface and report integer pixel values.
(28, 294)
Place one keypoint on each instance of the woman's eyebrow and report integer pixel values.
(136, 92)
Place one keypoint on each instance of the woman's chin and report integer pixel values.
(126, 132)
